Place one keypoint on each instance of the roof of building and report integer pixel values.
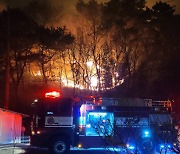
(21, 114)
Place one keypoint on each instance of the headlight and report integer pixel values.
(36, 132)
(33, 132)
(79, 145)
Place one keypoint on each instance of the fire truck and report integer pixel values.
(139, 125)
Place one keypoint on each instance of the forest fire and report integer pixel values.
(80, 60)
(115, 48)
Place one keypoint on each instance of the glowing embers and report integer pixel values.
(99, 124)
(53, 94)
(94, 81)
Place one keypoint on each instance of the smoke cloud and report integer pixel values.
(43, 11)
(57, 12)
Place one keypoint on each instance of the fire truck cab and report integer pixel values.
(129, 124)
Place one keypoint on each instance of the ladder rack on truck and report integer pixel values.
(135, 102)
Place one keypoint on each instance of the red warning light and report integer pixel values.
(53, 94)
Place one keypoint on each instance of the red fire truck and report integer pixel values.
(121, 124)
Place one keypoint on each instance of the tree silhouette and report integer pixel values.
(20, 28)
(92, 12)
(28, 42)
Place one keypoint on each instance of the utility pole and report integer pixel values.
(6, 100)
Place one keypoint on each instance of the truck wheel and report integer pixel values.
(60, 146)
(147, 146)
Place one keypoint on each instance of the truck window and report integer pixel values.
(61, 107)
(99, 124)
(47, 108)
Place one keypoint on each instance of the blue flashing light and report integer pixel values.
(146, 133)
(82, 120)
(131, 147)
(165, 146)
(88, 125)
(161, 146)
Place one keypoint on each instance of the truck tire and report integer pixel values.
(147, 146)
(59, 146)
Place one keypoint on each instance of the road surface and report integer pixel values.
(26, 149)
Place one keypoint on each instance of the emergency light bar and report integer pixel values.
(53, 94)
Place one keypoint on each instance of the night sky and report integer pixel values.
(68, 17)
(69, 5)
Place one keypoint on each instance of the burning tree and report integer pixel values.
(28, 42)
